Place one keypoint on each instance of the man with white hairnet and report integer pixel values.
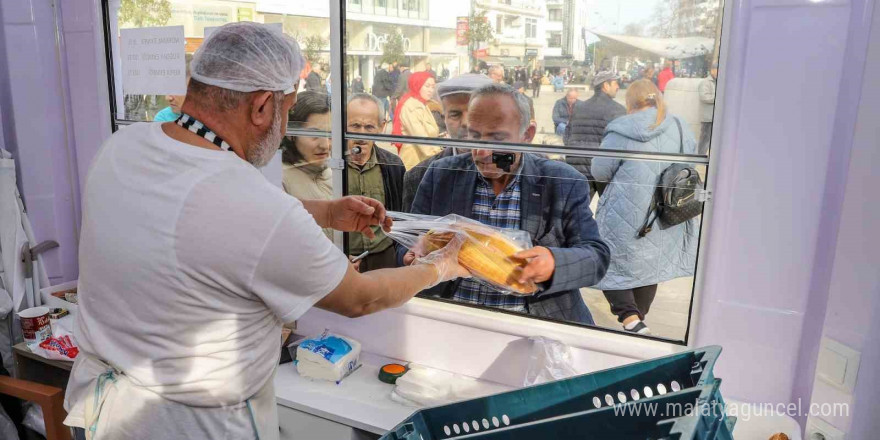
(190, 261)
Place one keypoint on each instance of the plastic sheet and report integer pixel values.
(549, 360)
(487, 252)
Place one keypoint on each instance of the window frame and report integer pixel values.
(476, 316)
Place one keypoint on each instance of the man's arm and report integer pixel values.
(361, 294)
(349, 214)
(584, 258)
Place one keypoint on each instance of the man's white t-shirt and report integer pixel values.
(190, 261)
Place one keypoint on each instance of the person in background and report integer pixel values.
(706, 89)
(374, 173)
(172, 112)
(455, 95)
(401, 86)
(496, 73)
(357, 86)
(192, 271)
(413, 118)
(383, 86)
(534, 194)
(562, 110)
(665, 75)
(558, 83)
(650, 74)
(314, 82)
(638, 264)
(430, 71)
(586, 127)
(536, 83)
(521, 75)
(520, 86)
(305, 172)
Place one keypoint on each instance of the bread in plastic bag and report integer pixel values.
(487, 253)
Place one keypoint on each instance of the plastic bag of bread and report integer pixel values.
(488, 252)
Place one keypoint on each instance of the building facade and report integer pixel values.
(564, 33)
(520, 31)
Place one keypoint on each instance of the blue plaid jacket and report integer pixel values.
(555, 210)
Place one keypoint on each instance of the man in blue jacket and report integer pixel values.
(524, 191)
(562, 110)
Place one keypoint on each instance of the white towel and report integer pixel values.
(327, 357)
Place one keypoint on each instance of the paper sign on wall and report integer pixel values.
(210, 29)
(153, 61)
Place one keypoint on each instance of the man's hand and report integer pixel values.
(357, 214)
(540, 266)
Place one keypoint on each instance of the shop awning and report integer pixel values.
(672, 48)
(507, 61)
(557, 62)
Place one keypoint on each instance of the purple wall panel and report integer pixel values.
(775, 142)
(44, 155)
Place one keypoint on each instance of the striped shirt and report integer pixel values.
(501, 211)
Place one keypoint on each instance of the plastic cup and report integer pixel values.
(35, 324)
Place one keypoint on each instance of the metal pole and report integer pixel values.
(337, 63)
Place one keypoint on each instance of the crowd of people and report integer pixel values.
(549, 199)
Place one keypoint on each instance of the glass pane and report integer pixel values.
(594, 239)
(194, 20)
(578, 63)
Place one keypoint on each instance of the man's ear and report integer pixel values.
(262, 108)
(382, 126)
(530, 133)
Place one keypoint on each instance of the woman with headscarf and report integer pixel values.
(305, 172)
(413, 118)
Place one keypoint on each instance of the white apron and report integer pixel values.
(112, 406)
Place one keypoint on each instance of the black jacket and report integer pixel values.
(392, 178)
(586, 127)
(383, 84)
(413, 177)
(314, 83)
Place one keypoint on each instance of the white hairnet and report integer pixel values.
(247, 57)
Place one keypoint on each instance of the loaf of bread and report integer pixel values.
(487, 254)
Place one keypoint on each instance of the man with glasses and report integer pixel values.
(520, 191)
(372, 172)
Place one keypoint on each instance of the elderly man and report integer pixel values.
(372, 172)
(562, 110)
(455, 94)
(190, 260)
(496, 73)
(314, 81)
(524, 191)
(588, 121)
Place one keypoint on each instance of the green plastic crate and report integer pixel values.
(592, 406)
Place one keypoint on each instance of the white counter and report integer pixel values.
(360, 400)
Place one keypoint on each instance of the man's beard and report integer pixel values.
(262, 153)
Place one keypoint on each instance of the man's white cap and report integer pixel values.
(247, 57)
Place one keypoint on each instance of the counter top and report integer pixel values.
(360, 400)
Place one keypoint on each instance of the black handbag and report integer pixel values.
(675, 199)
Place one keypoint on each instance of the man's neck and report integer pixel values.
(220, 127)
